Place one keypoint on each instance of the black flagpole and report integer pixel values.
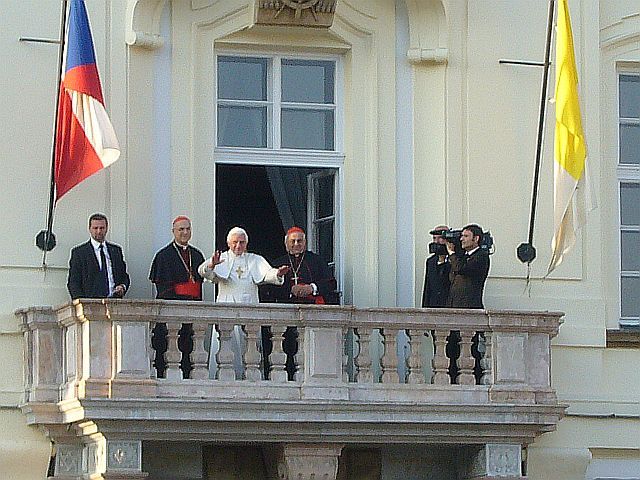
(46, 240)
(526, 251)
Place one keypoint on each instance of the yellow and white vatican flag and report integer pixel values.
(570, 152)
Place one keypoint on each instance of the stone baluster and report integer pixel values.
(345, 355)
(278, 357)
(416, 374)
(364, 373)
(440, 362)
(390, 356)
(199, 355)
(486, 361)
(252, 355)
(466, 361)
(173, 354)
(225, 353)
(299, 358)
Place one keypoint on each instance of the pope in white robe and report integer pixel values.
(238, 274)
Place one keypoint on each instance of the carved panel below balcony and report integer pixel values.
(335, 375)
(302, 13)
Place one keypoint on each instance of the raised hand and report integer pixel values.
(215, 259)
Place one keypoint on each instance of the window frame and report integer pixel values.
(626, 173)
(275, 106)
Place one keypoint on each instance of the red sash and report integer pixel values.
(189, 288)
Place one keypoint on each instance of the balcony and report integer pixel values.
(364, 376)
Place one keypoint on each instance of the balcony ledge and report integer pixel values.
(91, 369)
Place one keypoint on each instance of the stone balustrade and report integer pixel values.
(360, 375)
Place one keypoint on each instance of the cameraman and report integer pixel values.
(469, 269)
(436, 275)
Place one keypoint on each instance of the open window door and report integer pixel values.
(321, 218)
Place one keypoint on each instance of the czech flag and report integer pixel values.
(85, 140)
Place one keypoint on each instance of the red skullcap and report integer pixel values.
(179, 218)
(295, 230)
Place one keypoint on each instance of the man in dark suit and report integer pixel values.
(97, 268)
(469, 269)
(436, 274)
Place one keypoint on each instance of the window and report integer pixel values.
(276, 103)
(629, 188)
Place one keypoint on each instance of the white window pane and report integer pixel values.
(630, 96)
(630, 251)
(630, 296)
(241, 78)
(630, 144)
(630, 204)
(242, 126)
(307, 81)
(307, 129)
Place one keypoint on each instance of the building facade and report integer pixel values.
(367, 122)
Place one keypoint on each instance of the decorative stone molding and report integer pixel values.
(428, 43)
(143, 23)
(68, 461)
(309, 461)
(496, 460)
(301, 13)
(124, 455)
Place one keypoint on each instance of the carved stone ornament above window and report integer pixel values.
(299, 13)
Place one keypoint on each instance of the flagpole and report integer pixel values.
(526, 251)
(46, 240)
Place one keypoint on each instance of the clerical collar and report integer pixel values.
(470, 252)
(183, 247)
(233, 255)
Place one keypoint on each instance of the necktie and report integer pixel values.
(103, 272)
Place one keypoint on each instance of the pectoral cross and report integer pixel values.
(295, 278)
(239, 272)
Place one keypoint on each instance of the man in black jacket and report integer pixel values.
(97, 268)
(436, 274)
(469, 269)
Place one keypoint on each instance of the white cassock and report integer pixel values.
(238, 278)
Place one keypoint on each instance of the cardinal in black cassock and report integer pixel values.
(174, 272)
(308, 280)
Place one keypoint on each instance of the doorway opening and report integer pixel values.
(267, 200)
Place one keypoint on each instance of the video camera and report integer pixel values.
(453, 236)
